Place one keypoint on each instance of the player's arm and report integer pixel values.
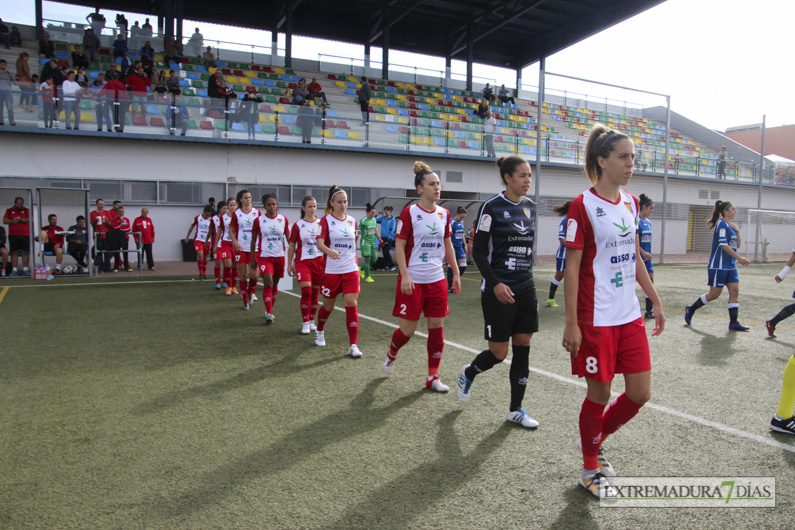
(480, 254)
(730, 251)
(322, 242)
(783, 274)
(571, 276)
(449, 253)
(233, 234)
(190, 229)
(406, 283)
(646, 284)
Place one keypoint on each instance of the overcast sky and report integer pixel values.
(724, 62)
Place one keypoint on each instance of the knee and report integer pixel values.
(639, 396)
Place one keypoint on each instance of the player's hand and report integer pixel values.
(185, 240)
(744, 261)
(380, 243)
(504, 294)
(406, 284)
(572, 338)
(456, 284)
(236, 246)
(659, 321)
(333, 254)
(778, 280)
(291, 270)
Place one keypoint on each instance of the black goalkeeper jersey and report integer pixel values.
(503, 246)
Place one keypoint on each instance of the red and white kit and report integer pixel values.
(308, 259)
(270, 234)
(340, 235)
(243, 224)
(202, 229)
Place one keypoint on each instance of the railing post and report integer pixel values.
(408, 136)
(276, 138)
(447, 137)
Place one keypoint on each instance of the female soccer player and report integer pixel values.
(457, 239)
(503, 253)
(225, 249)
(722, 268)
(784, 421)
(337, 240)
(307, 264)
(422, 242)
(270, 232)
(604, 331)
(202, 225)
(560, 257)
(644, 231)
(240, 233)
(216, 232)
(788, 311)
(369, 243)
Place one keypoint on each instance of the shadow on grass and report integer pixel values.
(359, 418)
(401, 501)
(714, 350)
(577, 512)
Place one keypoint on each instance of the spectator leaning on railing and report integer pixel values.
(101, 107)
(48, 90)
(139, 83)
(24, 82)
(6, 96)
(116, 93)
(364, 100)
(71, 96)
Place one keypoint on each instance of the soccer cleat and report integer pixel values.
(605, 468)
(57, 271)
(320, 338)
(225, 286)
(253, 297)
(361, 273)
(217, 286)
(354, 351)
(436, 385)
(736, 326)
(786, 426)
(389, 364)
(771, 328)
(115, 270)
(235, 291)
(269, 318)
(129, 269)
(551, 303)
(688, 315)
(596, 483)
(520, 416)
(13, 273)
(152, 269)
(464, 385)
(305, 328)
(648, 314)
(245, 306)
(312, 326)
(228, 291)
(369, 279)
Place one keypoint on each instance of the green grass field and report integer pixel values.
(161, 404)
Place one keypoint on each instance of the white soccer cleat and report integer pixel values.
(312, 326)
(389, 365)
(305, 328)
(437, 385)
(464, 385)
(320, 338)
(520, 416)
(354, 351)
(254, 297)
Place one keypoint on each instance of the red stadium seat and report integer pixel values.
(139, 120)
(206, 125)
(156, 121)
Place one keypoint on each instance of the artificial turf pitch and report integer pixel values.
(163, 405)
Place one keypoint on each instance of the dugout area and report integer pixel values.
(195, 414)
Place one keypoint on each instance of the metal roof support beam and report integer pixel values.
(385, 45)
(397, 18)
(286, 7)
(470, 53)
(507, 19)
(288, 40)
(180, 12)
(168, 34)
(39, 19)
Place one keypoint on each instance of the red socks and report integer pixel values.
(618, 412)
(252, 285)
(435, 347)
(228, 277)
(591, 432)
(322, 317)
(398, 341)
(244, 289)
(234, 276)
(352, 323)
(269, 297)
(306, 303)
(217, 271)
(314, 306)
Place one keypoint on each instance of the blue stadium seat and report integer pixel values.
(43, 61)
(350, 92)
(403, 112)
(331, 114)
(93, 74)
(288, 119)
(287, 78)
(341, 134)
(392, 129)
(219, 64)
(269, 83)
(184, 83)
(257, 82)
(193, 75)
(238, 127)
(202, 93)
(201, 70)
(174, 66)
(61, 55)
(153, 109)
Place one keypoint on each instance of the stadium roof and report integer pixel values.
(505, 33)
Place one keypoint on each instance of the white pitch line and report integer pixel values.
(120, 282)
(660, 408)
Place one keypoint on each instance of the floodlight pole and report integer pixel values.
(541, 76)
(665, 177)
(759, 193)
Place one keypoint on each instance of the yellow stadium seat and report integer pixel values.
(278, 70)
(402, 119)
(342, 84)
(327, 133)
(353, 135)
(251, 74)
(87, 117)
(231, 79)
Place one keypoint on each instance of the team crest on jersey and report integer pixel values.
(628, 205)
(441, 216)
(350, 223)
(278, 219)
(526, 212)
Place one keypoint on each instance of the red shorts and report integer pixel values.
(225, 251)
(309, 270)
(430, 298)
(199, 246)
(334, 284)
(242, 256)
(606, 351)
(272, 266)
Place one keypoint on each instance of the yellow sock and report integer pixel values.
(787, 391)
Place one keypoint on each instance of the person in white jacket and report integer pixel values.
(71, 91)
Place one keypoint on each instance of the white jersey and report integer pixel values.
(424, 233)
(270, 233)
(243, 223)
(225, 237)
(218, 226)
(202, 227)
(304, 235)
(340, 235)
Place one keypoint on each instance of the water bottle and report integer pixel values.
(48, 273)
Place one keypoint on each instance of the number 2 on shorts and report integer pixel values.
(402, 309)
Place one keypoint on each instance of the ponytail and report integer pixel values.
(717, 213)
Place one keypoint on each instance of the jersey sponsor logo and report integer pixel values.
(521, 227)
(600, 212)
(571, 230)
(618, 280)
(722, 233)
(433, 228)
(485, 222)
(622, 228)
(511, 264)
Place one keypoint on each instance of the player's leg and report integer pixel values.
(553, 285)
(58, 249)
(351, 300)
(784, 421)
(497, 331)
(253, 278)
(734, 307)
(435, 346)
(591, 423)
(781, 315)
(716, 283)
(305, 304)
(400, 337)
(373, 259)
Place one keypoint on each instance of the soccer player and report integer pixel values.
(722, 268)
(215, 235)
(226, 249)
(337, 240)
(368, 229)
(270, 231)
(457, 239)
(240, 233)
(202, 224)
(503, 252)
(788, 311)
(604, 331)
(560, 257)
(388, 225)
(305, 262)
(644, 232)
(421, 244)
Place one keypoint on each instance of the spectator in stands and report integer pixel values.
(48, 91)
(100, 223)
(149, 67)
(71, 97)
(146, 29)
(5, 35)
(3, 251)
(315, 91)
(177, 117)
(15, 37)
(483, 109)
(18, 220)
(119, 46)
(46, 46)
(225, 92)
(505, 95)
(77, 241)
(101, 107)
(148, 51)
(250, 111)
(6, 96)
(364, 100)
(91, 46)
(172, 83)
(160, 85)
(300, 93)
(34, 95)
(51, 237)
(138, 83)
(212, 86)
(97, 21)
(125, 65)
(171, 52)
(307, 119)
(721, 162)
(24, 82)
(79, 58)
(81, 78)
(124, 226)
(208, 59)
(145, 237)
(489, 128)
(122, 24)
(116, 93)
(488, 93)
(195, 44)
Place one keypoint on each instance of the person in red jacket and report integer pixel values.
(100, 223)
(145, 237)
(116, 93)
(315, 90)
(52, 238)
(18, 220)
(139, 84)
(125, 226)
